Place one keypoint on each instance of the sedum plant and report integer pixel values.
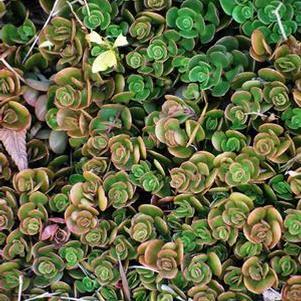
(202, 267)
(258, 276)
(163, 257)
(47, 265)
(183, 178)
(150, 150)
(264, 225)
(194, 19)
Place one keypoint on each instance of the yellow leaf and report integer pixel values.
(120, 41)
(102, 199)
(94, 37)
(104, 61)
(46, 44)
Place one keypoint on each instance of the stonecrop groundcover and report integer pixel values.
(150, 150)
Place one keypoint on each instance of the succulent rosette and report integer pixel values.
(245, 248)
(123, 248)
(291, 290)
(258, 276)
(102, 235)
(10, 86)
(229, 141)
(72, 253)
(189, 20)
(284, 265)
(86, 285)
(119, 190)
(103, 268)
(186, 206)
(71, 91)
(96, 146)
(59, 202)
(18, 35)
(215, 69)
(264, 225)
(88, 193)
(9, 279)
(150, 150)
(157, 51)
(292, 117)
(81, 219)
(195, 175)
(205, 292)
(55, 231)
(203, 232)
(168, 131)
(32, 216)
(147, 222)
(229, 215)
(243, 107)
(292, 225)
(30, 180)
(47, 265)
(8, 208)
(150, 180)
(287, 63)
(234, 278)
(16, 246)
(126, 151)
(63, 41)
(163, 257)
(142, 227)
(270, 144)
(234, 210)
(276, 93)
(14, 116)
(237, 170)
(146, 26)
(212, 122)
(241, 11)
(140, 87)
(97, 14)
(202, 267)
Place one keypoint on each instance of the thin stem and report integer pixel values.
(281, 27)
(38, 36)
(73, 299)
(256, 113)
(8, 66)
(47, 295)
(44, 295)
(63, 6)
(88, 8)
(142, 268)
(85, 271)
(75, 15)
(293, 173)
(20, 287)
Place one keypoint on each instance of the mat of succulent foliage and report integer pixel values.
(150, 150)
